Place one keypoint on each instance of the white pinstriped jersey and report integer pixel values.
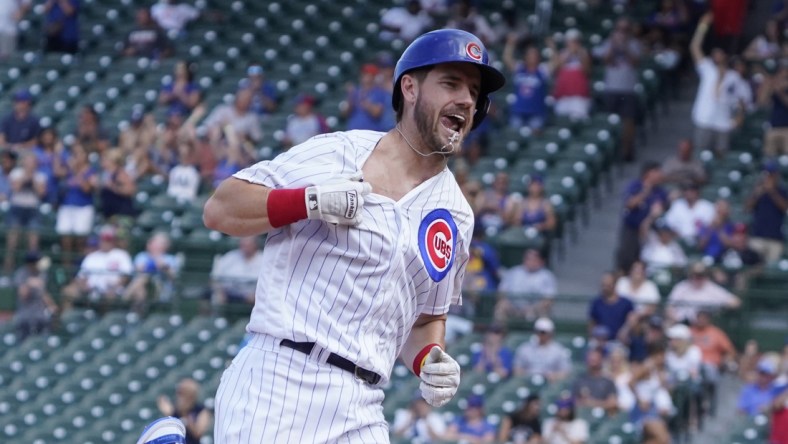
(356, 291)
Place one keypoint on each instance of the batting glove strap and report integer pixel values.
(440, 378)
(337, 201)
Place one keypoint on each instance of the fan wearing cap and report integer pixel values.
(541, 355)
(757, 397)
(369, 235)
(365, 105)
(472, 427)
(265, 98)
(683, 358)
(661, 249)
(698, 292)
(768, 204)
(19, 129)
(304, 122)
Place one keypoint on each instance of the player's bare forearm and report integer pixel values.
(428, 329)
(238, 208)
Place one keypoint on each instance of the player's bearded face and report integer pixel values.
(433, 130)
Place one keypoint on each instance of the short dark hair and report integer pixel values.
(649, 166)
(420, 74)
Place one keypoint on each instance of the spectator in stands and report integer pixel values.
(483, 269)
(61, 26)
(779, 419)
(103, 274)
(523, 425)
(139, 136)
(617, 368)
(195, 416)
(365, 104)
(491, 204)
(404, 22)
(78, 182)
(47, 150)
(532, 211)
(116, 187)
(465, 16)
(7, 164)
(234, 274)
(745, 84)
(20, 128)
(756, 398)
(231, 159)
(11, 12)
(472, 427)
(34, 306)
(184, 179)
(164, 154)
(592, 388)
(717, 108)
(173, 17)
(565, 427)
(683, 358)
(521, 284)
(541, 355)
(621, 54)
(609, 308)
(639, 289)
(653, 403)
(660, 248)
(698, 292)
(717, 350)
(639, 197)
(641, 331)
(304, 123)
(670, 16)
(146, 39)
(739, 259)
(90, 134)
(774, 94)
(494, 356)
(768, 204)
(28, 188)
(265, 99)
(683, 167)
(571, 68)
(181, 93)
(767, 45)
(419, 423)
(531, 79)
(240, 116)
(689, 213)
(714, 238)
(156, 267)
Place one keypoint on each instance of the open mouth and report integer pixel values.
(453, 122)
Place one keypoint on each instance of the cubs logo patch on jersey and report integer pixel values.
(437, 242)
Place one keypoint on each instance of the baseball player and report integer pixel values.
(368, 238)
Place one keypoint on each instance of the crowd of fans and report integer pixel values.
(643, 341)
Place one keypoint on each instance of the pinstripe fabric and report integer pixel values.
(354, 291)
(273, 394)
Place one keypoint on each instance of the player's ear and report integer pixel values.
(410, 88)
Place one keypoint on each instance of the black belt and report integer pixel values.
(334, 359)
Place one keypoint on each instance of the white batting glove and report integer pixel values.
(337, 201)
(440, 378)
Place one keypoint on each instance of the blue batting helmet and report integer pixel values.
(446, 46)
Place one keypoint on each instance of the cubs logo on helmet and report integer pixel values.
(437, 243)
(474, 51)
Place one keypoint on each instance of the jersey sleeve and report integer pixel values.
(307, 164)
(449, 291)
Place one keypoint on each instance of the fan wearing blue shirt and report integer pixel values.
(531, 81)
(609, 309)
(366, 103)
(62, 26)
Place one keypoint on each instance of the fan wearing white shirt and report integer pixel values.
(638, 288)
(683, 358)
(405, 23)
(689, 213)
(184, 179)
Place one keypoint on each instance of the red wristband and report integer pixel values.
(421, 356)
(286, 206)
